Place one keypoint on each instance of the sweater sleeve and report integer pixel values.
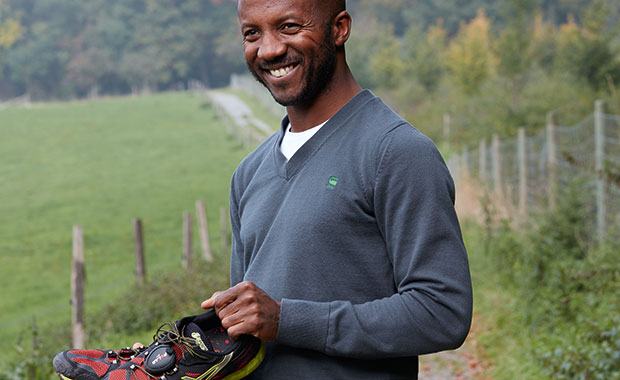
(430, 311)
(237, 263)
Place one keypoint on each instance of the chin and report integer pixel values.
(285, 99)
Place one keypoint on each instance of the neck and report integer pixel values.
(342, 88)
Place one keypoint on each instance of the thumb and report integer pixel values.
(210, 303)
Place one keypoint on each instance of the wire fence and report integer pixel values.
(97, 294)
(529, 172)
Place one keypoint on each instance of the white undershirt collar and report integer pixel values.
(292, 141)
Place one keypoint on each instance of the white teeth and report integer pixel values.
(281, 72)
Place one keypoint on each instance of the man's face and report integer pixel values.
(288, 47)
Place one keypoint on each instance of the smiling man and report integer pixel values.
(347, 254)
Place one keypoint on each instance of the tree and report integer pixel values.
(515, 39)
(469, 57)
(10, 27)
(10, 31)
(587, 52)
(426, 54)
(513, 50)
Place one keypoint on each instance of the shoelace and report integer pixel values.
(168, 333)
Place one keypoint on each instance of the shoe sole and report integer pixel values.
(245, 371)
(250, 367)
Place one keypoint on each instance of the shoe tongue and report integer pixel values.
(201, 340)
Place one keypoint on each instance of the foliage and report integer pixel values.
(491, 74)
(168, 297)
(561, 294)
(63, 49)
(36, 358)
(71, 49)
(10, 28)
(470, 59)
(425, 55)
(172, 295)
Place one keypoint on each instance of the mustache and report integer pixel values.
(278, 62)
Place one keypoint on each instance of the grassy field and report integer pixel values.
(99, 164)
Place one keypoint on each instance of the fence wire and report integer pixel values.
(585, 155)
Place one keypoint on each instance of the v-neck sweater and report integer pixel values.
(357, 236)
(292, 141)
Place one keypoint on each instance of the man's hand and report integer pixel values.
(246, 309)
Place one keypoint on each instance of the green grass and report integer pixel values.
(99, 164)
(503, 342)
(542, 312)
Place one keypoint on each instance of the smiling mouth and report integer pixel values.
(279, 73)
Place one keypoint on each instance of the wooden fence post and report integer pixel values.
(187, 240)
(32, 369)
(552, 161)
(599, 155)
(224, 219)
(139, 245)
(482, 164)
(77, 289)
(203, 231)
(496, 163)
(522, 175)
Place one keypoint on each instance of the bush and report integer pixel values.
(166, 297)
(565, 289)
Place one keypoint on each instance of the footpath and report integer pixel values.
(245, 125)
(461, 364)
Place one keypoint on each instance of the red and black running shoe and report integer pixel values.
(194, 348)
(91, 364)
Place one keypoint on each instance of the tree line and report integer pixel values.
(492, 64)
(505, 66)
(73, 48)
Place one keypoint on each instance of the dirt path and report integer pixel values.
(240, 113)
(462, 364)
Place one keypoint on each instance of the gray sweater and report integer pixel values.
(357, 236)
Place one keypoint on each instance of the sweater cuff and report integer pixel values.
(303, 324)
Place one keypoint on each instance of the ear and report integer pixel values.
(341, 28)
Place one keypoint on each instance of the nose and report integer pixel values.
(271, 47)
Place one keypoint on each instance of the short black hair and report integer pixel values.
(334, 6)
(339, 5)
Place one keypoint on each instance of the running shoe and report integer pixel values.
(193, 348)
(92, 364)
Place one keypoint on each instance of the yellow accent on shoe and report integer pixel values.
(212, 371)
(251, 366)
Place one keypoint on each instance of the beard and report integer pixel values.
(319, 70)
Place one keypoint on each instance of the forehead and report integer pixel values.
(263, 9)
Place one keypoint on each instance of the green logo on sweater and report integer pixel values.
(331, 184)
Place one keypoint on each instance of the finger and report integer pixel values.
(210, 303)
(230, 319)
(236, 331)
(137, 345)
(225, 298)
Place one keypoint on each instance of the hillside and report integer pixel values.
(100, 164)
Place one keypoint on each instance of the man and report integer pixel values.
(347, 254)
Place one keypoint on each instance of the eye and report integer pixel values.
(290, 27)
(250, 34)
